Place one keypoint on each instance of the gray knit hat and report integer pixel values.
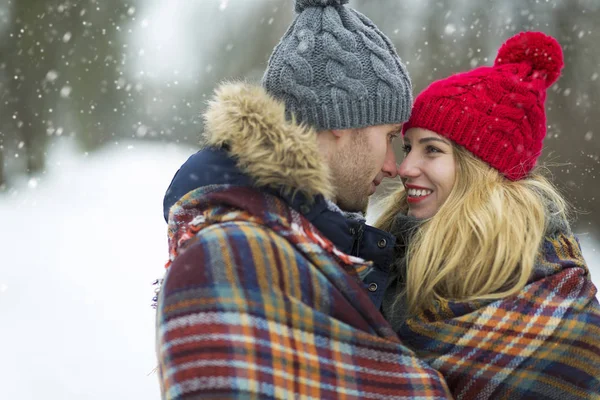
(335, 70)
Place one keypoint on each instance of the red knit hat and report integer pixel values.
(497, 113)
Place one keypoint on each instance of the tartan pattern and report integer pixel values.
(541, 344)
(257, 304)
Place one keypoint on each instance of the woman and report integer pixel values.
(490, 285)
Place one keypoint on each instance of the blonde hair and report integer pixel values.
(482, 242)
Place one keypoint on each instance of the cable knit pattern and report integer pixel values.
(387, 68)
(334, 69)
(297, 73)
(343, 69)
(497, 113)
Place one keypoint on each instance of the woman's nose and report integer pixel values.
(408, 168)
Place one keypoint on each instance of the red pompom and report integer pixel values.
(542, 51)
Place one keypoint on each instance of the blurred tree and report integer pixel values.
(29, 57)
(240, 51)
(571, 107)
(63, 63)
(4, 138)
(2, 163)
(101, 96)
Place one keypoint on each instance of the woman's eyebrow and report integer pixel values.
(433, 139)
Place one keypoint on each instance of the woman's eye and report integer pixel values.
(433, 149)
(406, 148)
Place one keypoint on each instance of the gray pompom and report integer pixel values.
(301, 5)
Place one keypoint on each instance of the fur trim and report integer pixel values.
(275, 152)
(556, 221)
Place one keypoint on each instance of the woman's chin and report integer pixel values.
(420, 213)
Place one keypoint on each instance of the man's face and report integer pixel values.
(361, 160)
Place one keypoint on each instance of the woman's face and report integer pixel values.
(428, 171)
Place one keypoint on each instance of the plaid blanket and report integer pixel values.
(257, 304)
(542, 344)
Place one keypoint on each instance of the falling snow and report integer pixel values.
(449, 29)
(33, 183)
(51, 76)
(65, 92)
(96, 97)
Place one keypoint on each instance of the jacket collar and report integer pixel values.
(274, 152)
(216, 167)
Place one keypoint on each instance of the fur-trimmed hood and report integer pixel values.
(249, 142)
(273, 151)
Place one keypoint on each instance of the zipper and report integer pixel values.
(358, 240)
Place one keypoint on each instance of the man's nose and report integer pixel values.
(390, 168)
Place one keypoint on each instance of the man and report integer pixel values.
(265, 294)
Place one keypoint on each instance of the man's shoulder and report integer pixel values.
(234, 243)
(231, 232)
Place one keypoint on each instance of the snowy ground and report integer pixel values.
(82, 246)
(81, 249)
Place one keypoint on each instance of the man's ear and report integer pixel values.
(337, 133)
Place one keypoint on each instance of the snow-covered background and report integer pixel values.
(82, 246)
(83, 236)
